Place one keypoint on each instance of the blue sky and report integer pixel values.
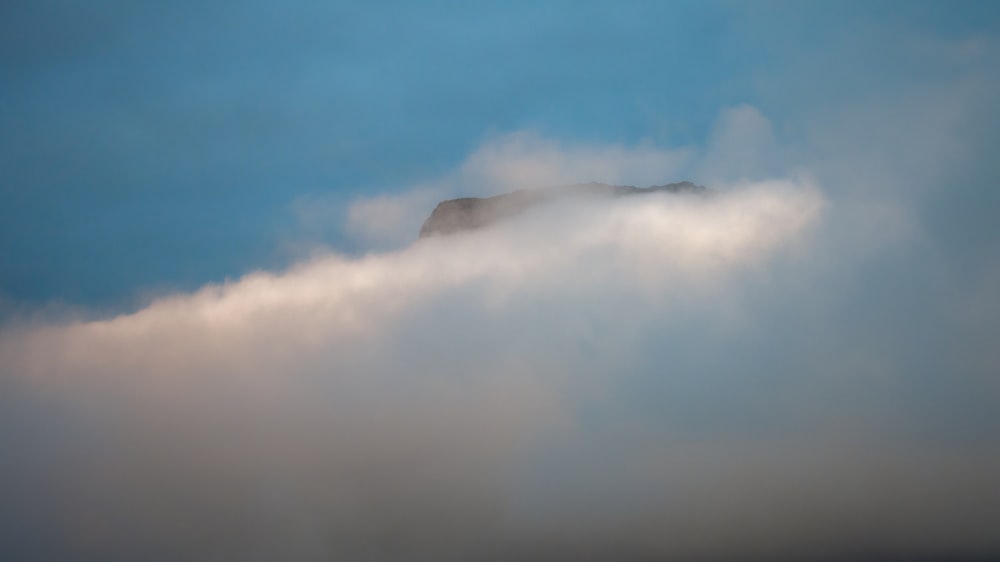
(152, 148)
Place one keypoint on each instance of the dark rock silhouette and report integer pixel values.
(470, 213)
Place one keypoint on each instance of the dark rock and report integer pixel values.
(469, 213)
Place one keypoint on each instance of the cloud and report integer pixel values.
(742, 147)
(505, 163)
(659, 239)
(764, 373)
(524, 159)
(350, 406)
(391, 220)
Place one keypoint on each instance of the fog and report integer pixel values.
(746, 375)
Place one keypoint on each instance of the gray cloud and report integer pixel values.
(662, 377)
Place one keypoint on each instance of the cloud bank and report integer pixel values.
(649, 377)
(788, 369)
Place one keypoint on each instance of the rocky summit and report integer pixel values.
(470, 213)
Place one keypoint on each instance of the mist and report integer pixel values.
(664, 376)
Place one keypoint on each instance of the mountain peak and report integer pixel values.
(470, 213)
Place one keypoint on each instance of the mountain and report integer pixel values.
(469, 213)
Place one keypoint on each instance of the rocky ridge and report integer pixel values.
(470, 213)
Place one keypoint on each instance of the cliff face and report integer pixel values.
(469, 213)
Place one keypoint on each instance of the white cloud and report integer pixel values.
(657, 239)
(354, 403)
(654, 376)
